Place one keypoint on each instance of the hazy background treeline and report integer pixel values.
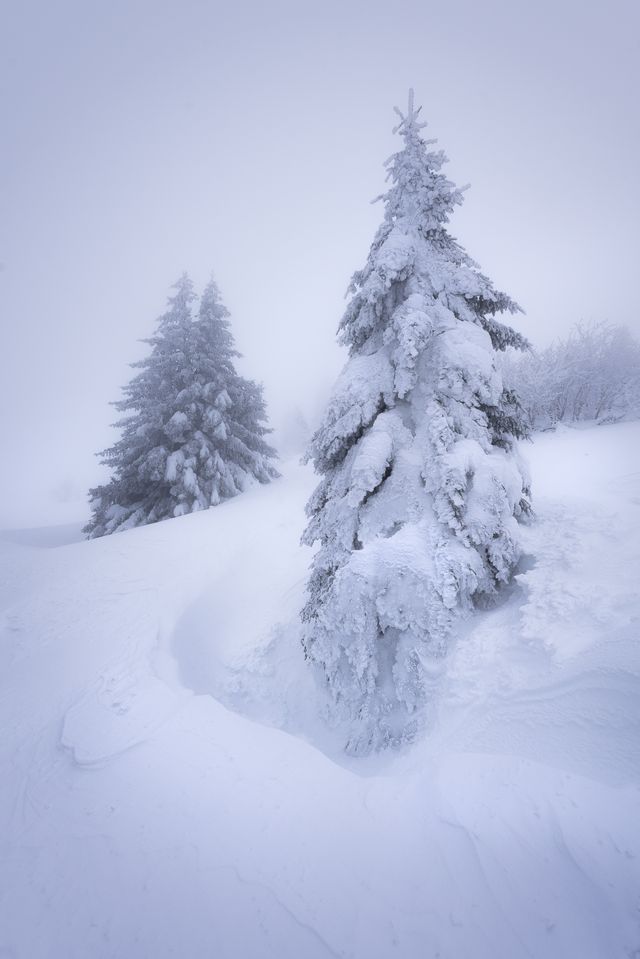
(591, 374)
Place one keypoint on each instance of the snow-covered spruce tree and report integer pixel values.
(417, 512)
(193, 433)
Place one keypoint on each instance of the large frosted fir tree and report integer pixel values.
(417, 512)
(193, 431)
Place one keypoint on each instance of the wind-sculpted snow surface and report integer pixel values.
(143, 818)
(417, 510)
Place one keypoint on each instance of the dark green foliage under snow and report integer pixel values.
(193, 430)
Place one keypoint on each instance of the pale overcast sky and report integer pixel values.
(141, 139)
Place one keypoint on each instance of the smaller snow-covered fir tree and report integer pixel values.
(417, 510)
(193, 433)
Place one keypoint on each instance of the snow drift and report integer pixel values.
(169, 789)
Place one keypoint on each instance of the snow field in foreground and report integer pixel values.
(167, 788)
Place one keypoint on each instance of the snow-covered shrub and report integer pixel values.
(193, 433)
(593, 374)
(417, 511)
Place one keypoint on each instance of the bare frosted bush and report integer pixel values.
(593, 374)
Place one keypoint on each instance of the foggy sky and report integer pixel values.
(140, 139)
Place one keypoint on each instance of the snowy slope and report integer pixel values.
(167, 789)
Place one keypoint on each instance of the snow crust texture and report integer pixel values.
(168, 788)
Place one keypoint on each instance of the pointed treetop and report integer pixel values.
(185, 292)
(211, 291)
(408, 122)
(184, 282)
(211, 301)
